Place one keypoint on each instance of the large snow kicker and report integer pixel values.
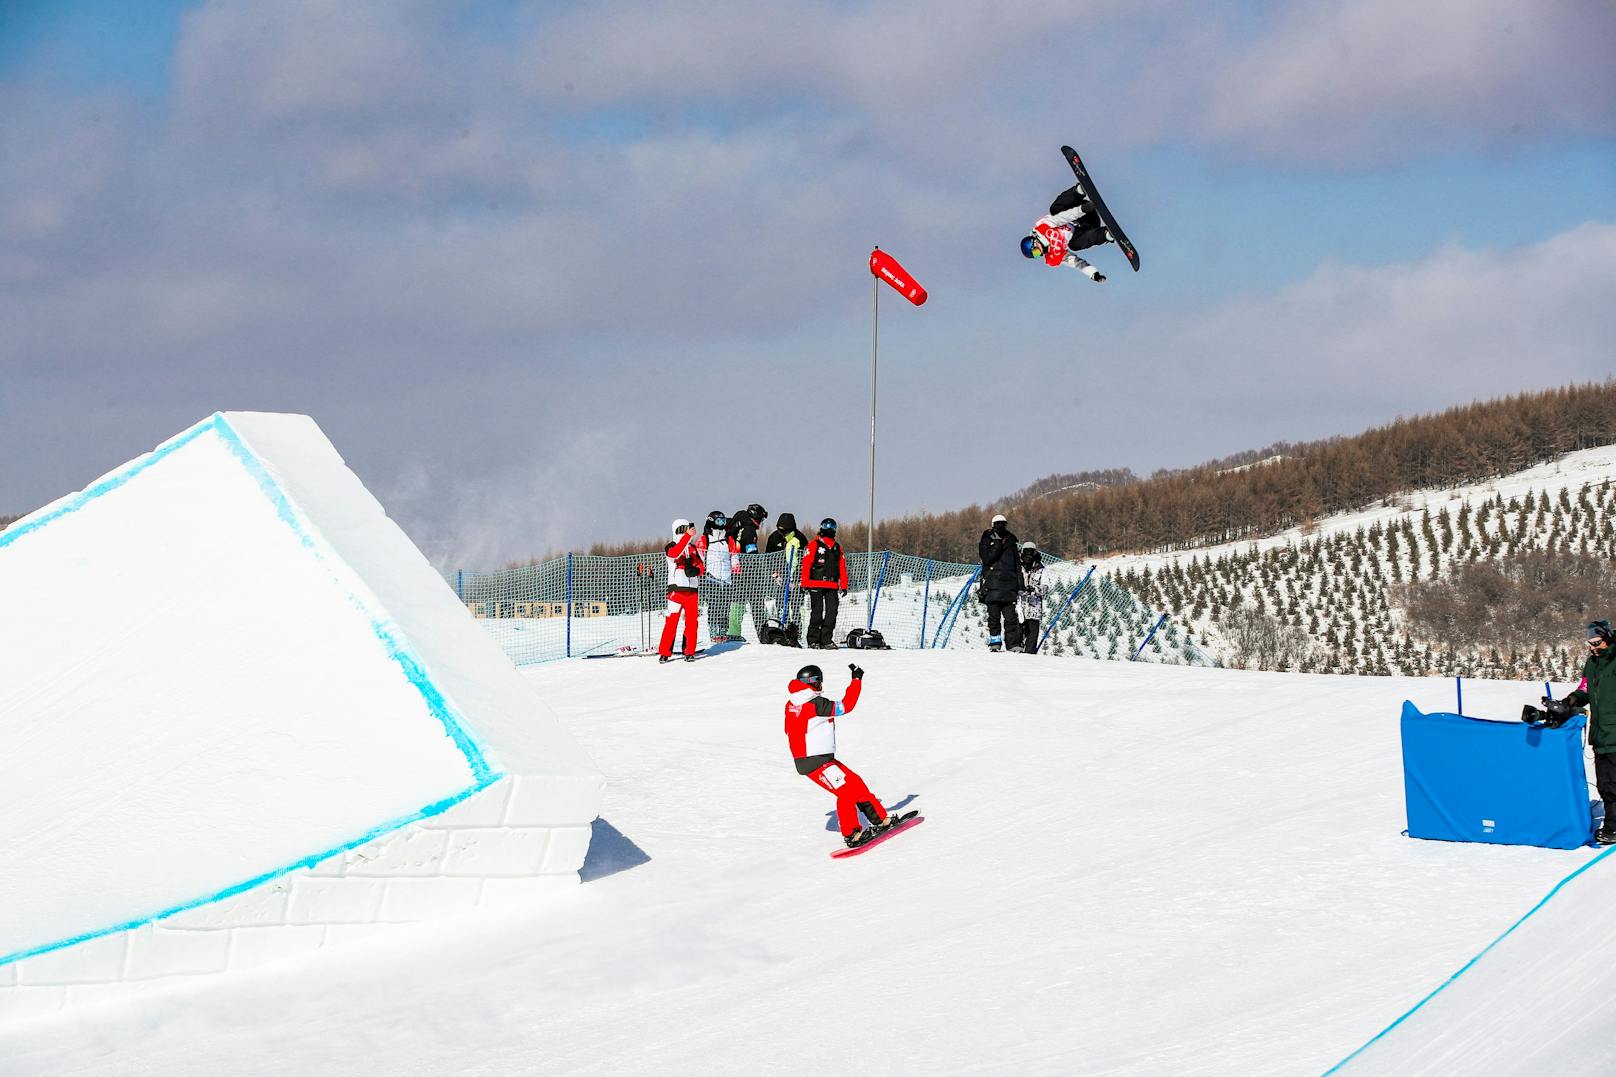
(241, 716)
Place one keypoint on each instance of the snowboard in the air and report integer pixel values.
(1087, 183)
(907, 824)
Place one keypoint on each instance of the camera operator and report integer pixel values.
(1597, 692)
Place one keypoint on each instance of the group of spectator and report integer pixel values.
(706, 564)
(1012, 587)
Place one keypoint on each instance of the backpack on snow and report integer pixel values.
(867, 639)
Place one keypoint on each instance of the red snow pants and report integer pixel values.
(677, 601)
(850, 791)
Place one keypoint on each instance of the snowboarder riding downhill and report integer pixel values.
(1071, 225)
(811, 731)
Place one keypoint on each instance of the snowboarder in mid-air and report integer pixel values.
(811, 731)
(1070, 226)
(1077, 220)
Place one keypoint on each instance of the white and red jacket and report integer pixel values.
(1056, 232)
(722, 554)
(811, 722)
(684, 563)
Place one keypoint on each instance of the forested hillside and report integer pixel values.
(1492, 580)
(1219, 502)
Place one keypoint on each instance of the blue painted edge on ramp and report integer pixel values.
(397, 649)
(1468, 965)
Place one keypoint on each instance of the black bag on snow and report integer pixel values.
(867, 639)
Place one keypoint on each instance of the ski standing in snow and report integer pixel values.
(811, 732)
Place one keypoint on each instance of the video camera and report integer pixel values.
(1553, 714)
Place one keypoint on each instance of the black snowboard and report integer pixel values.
(1093, 196)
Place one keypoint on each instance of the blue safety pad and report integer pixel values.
(1507, 783)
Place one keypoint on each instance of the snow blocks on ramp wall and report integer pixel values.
(1505, 783)
(242, 717)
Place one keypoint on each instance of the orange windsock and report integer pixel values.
(887, 268)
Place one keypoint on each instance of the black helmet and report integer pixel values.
(717, 519)
(827, 526)
(812, 676)
(759, 513)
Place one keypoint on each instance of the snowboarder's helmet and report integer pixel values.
(680, 527)
(812, 676)
(1032, 246)
(717, 519)
(827, 526)
(998, 518)
(1026, 546)
(757, 512)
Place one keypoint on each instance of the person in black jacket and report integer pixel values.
(743, 528)
(785, 536)
(786, 539)
(1001, 584)
(744, 525)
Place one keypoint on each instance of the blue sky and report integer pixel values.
(552, 273)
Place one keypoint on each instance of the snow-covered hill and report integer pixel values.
(1333, 586)
(1125, 869)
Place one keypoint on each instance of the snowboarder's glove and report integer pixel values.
(858, 674)
(1097, 278)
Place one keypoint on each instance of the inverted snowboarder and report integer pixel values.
(811, 731)
(1077, 220)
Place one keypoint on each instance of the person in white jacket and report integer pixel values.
(684, 575)
(722, 555)
(1070, 226)
(1030, 602)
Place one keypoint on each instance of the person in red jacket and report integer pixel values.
(811, 731)
(684, 576)
(824, 581)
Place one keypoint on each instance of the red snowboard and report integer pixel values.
(894, 832)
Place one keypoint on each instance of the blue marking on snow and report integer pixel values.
(397, 650)
(385, 630)
(436, 808)
(112, 482)
(1468, 965)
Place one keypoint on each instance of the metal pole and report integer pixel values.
(1148, 636)
(569, 605)
(875, 338)
(1061, 612)
(925, 603)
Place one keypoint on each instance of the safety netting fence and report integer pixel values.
(581, 605)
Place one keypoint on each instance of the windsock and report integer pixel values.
(887, 268)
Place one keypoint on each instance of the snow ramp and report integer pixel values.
(241, 717)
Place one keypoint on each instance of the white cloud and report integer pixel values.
(1389, 79)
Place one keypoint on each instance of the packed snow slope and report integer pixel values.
(1125, 868)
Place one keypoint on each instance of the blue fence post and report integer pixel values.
(569, 605)
(925, 604)
(1148, 637)
(460, 584)
(1458, 688)
(1055, 620)
(954, 608)
(869, 621)
(785, 588)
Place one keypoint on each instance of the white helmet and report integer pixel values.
(680, 526)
